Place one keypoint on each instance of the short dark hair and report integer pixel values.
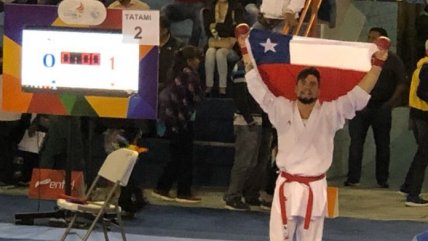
(309, 71)
(164, 22)
(380, 30)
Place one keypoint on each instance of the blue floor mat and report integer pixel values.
(186, 223)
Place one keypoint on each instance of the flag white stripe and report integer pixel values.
(331, 53)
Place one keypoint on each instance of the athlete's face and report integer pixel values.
(307, 90)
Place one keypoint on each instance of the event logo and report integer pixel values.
(52, 184)
(84, 12)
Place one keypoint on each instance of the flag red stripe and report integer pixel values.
(281, 80)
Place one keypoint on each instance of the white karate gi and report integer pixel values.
(305, 150)
(276, 9)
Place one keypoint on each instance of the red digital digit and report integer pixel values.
(95, 59)
(85, 58)
(65, 57)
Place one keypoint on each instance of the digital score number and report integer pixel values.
(80, 58)
(75, 58)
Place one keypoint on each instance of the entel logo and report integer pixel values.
(52, 184)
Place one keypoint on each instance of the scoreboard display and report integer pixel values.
(78, 61)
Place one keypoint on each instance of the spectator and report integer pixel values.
(271, 174)
(252, 10)
(177, 104)
(181, 10)
(169, 44)
(112, 134)
(386, 95)
(272, 14)
(63, 145)
(418, 102)
(421, 32)
(129, 5)
(253, 134)
(220, 20)
(10, 128)
(29, 147)
(131, 197)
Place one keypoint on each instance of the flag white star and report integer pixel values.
(269, 46)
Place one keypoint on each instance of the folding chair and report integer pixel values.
(116, 169)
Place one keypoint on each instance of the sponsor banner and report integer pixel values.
(49, 184)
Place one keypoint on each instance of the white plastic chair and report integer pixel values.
(116, 169)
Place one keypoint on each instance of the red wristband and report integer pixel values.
(377, 62)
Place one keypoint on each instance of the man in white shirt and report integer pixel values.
(276, 13)
(306, 130)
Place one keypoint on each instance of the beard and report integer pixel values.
(306, 100)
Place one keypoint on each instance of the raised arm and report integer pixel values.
(273, 106)
(257, 87)
(368, 82)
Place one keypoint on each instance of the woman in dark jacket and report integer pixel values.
(177, 108)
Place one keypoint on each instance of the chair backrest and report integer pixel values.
(118, 165)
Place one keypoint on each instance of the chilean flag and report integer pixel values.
(279, 58)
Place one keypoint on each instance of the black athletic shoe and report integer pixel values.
(351, 184)
(416, 202)
(253, 201)
(383, 185)
(266, 205)
(236, 204)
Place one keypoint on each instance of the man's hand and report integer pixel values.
(242, 31)
(380, 56)
(378, 60)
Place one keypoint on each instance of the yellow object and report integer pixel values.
(138, 149)
(414, 100)
(332, 202)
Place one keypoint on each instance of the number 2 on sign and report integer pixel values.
(138, 33)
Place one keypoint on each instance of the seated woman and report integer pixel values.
(220, 20)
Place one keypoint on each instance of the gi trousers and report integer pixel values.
(295, 225)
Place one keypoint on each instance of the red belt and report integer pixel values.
(300, 179)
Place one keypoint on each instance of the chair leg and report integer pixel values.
(94, 222)
(105, 230)
(70, 225)
(120, 222)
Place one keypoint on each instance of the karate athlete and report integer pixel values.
(306, 130)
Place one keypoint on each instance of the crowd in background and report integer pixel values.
(206, 65)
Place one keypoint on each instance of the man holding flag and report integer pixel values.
(306, 121)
